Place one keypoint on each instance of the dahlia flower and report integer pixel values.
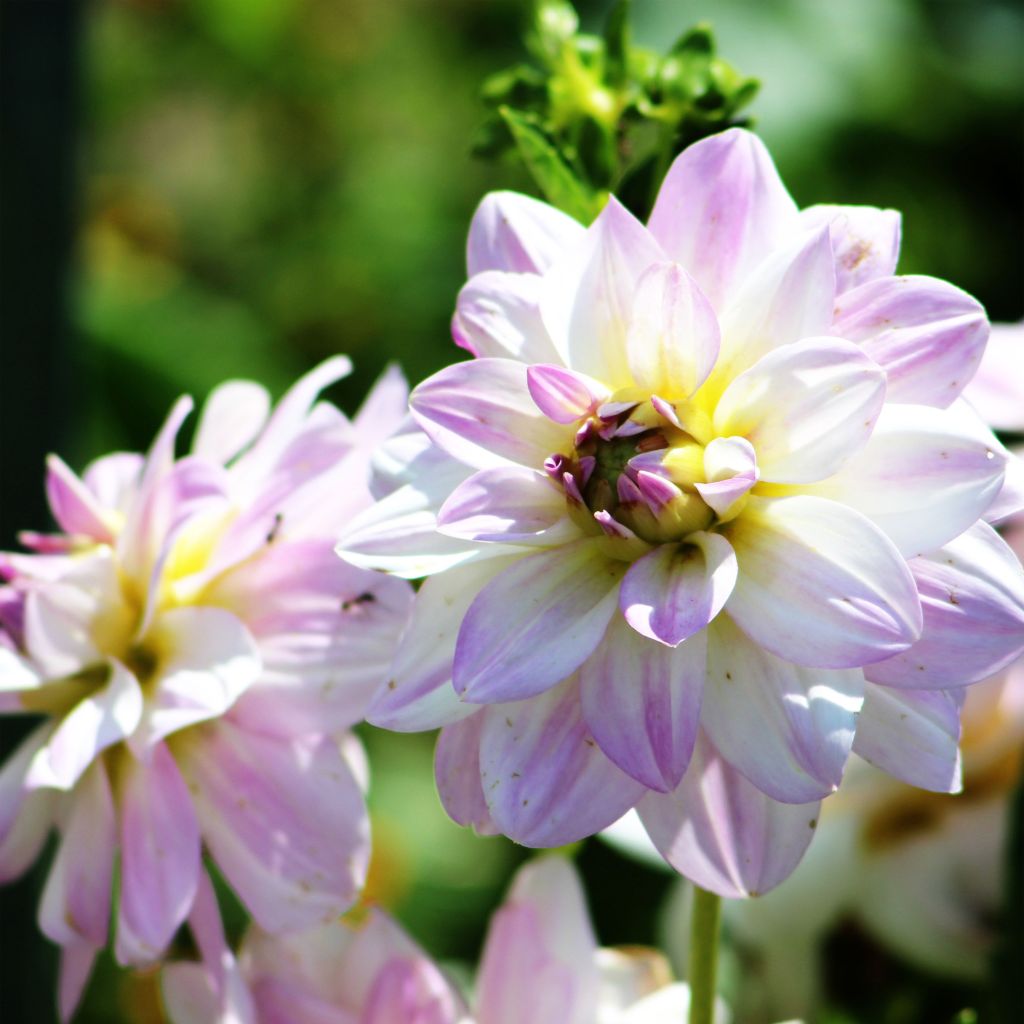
(540, 963)
(703, 514)
(196, 652)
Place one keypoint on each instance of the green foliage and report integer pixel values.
(605, 112)
(554, 176)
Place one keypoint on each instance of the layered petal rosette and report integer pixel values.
(705, 493)
(541, 964)
(195, 654)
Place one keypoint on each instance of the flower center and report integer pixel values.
(634, 468)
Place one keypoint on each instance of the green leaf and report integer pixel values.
(699, 39)
(521, 87)
(550, 171)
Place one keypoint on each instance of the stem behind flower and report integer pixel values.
(704, 928)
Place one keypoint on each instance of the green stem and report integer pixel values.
(704, 927)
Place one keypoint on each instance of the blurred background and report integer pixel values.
(200, 189)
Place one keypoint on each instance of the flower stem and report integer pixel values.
(704, 927)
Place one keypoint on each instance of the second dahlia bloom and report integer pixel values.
(703, 515)
(195, 652)
(541, 965)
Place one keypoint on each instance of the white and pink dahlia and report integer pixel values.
(195, 653)
(703, 515)
(541, 965)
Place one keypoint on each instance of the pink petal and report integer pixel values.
(673, 334)
(972, 593)
(675, 590)
(551, 888)
(75, 906)
(411, 992)
(926, 334)
(724, 834)
(281, 1003)
(519, 981)
(820, 585)
(384, 409)
(564, 395)
(332, 965)
(325, 631)
(787, 298)
(288, 420)
(721, 210)
(457, 772)
(190, 995)
(302, 489)
(997, 389)
(511, 504)
(209, 659)
(231, 419)
(865, 241)
(481, 412)
(76, 963)
(914, 735)
(418, 693)
(498, 315)
(160, 853)
(398, 533)
(192, 494)
(730, 466)
(642, 702)
(59, 617)
(114, 479)
(788, 729)
(285, 822)
(806, 408)
(26, 816)
(513, 232)
(74, 506)
(546, 781)
(95, 723)
(1010, 499)
(539, 956)
(535, 623)
(587, 297)
(136, 539)
(17, 679)
(923, 477)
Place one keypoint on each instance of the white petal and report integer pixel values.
(513, 232)
(673, 334)
(806, 408)
(588, 295)
(820, 585)
(231, 418)
(923, 477)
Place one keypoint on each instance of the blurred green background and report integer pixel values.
(257, 184)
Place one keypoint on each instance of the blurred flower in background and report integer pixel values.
(197, 654)
(540, 964)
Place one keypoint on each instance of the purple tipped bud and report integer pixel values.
(629, 493)
(666, 410)
(572, 489)
(656, 490)
(612, 527)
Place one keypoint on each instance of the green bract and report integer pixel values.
(596, 113)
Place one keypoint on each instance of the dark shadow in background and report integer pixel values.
(39, 63)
